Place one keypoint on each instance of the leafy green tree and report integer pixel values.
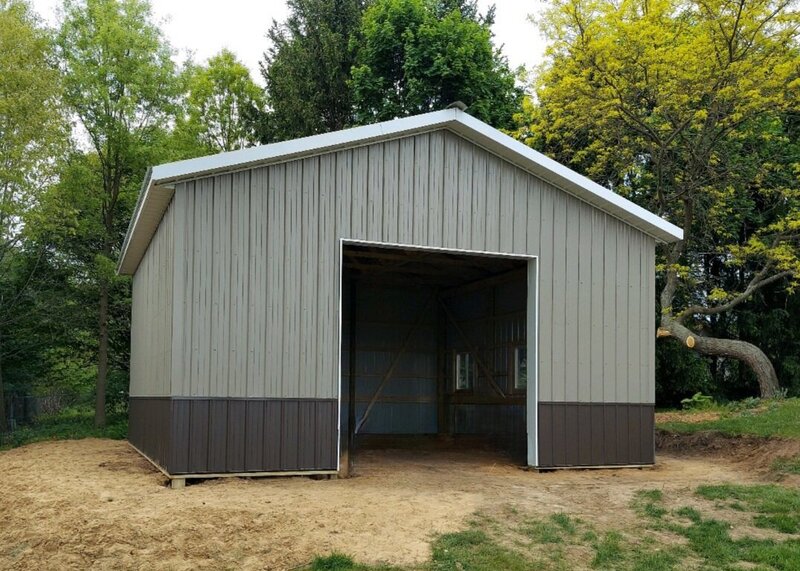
(306, 69)
(72, 273)
(120, 83)
(221, 96)
(417, 56)
(684, 106)
(32, 137)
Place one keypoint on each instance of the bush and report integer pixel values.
(679, 373)
(699, 401)
(70, 424)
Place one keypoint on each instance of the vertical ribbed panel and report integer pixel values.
(149, 427)
(217, 436)
(257, 269)
(152, 314)
(595, 434)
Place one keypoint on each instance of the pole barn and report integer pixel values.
(423, 279)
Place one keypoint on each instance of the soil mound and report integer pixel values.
(754, 452)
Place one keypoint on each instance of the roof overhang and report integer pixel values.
(159, 183)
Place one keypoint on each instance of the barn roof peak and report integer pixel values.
(159, 182)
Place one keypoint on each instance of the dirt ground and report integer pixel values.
(96, 504)
(690, 417)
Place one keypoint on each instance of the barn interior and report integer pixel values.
(434, 351)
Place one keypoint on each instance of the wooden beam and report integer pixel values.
(388, 375)
(491, 281)
(511, 399)
(411, 268)
(488, 373)
(398, 279)
(421, 256)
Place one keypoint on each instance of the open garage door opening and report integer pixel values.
(437, 351)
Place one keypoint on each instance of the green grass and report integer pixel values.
(711, 540)
(657, 560)
(665, 540)
(552, 530)
(689, 513)
(608, 550)
(773, 506)
(341, 562)
(475, 551)
(648, 503)
(565, 522)
(783, 466)
(778, 418)
(70, 424)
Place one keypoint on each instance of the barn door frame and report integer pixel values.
(532, 335)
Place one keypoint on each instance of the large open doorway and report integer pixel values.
(435, 350)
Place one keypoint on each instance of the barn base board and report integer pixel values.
(176, 480)
(543, 470)
(595, 434)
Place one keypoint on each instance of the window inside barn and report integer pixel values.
(465, 372)
(520, 368)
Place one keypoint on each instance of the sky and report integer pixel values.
(203, 28)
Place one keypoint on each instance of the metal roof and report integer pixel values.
(158, 185)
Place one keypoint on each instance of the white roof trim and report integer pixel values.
(161, 178)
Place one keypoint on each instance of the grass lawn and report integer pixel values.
(753, 527)
(71, 424)
(779, 418)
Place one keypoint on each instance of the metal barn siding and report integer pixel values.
(151, 315)
(151, 345)
(372, 200)
(256, 295)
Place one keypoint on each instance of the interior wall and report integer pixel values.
(490, 322)
(388, 318)
(420, 397)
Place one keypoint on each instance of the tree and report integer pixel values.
(120, 83)
(417, 56)
(685, 107)
(32, 137)
(221, 95)
(306, 69)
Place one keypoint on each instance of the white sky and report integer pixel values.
(204, 28)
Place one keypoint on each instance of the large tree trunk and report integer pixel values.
(742, 351)
(102, 358)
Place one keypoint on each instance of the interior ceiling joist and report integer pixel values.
(421, 267)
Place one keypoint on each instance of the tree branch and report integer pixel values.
(755, 284)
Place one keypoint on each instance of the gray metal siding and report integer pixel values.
(151, 315)
(436, 190)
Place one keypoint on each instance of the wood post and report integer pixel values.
(442, 420)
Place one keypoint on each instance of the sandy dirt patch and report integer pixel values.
(96, 504)
(689, 417)
(753, 453)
